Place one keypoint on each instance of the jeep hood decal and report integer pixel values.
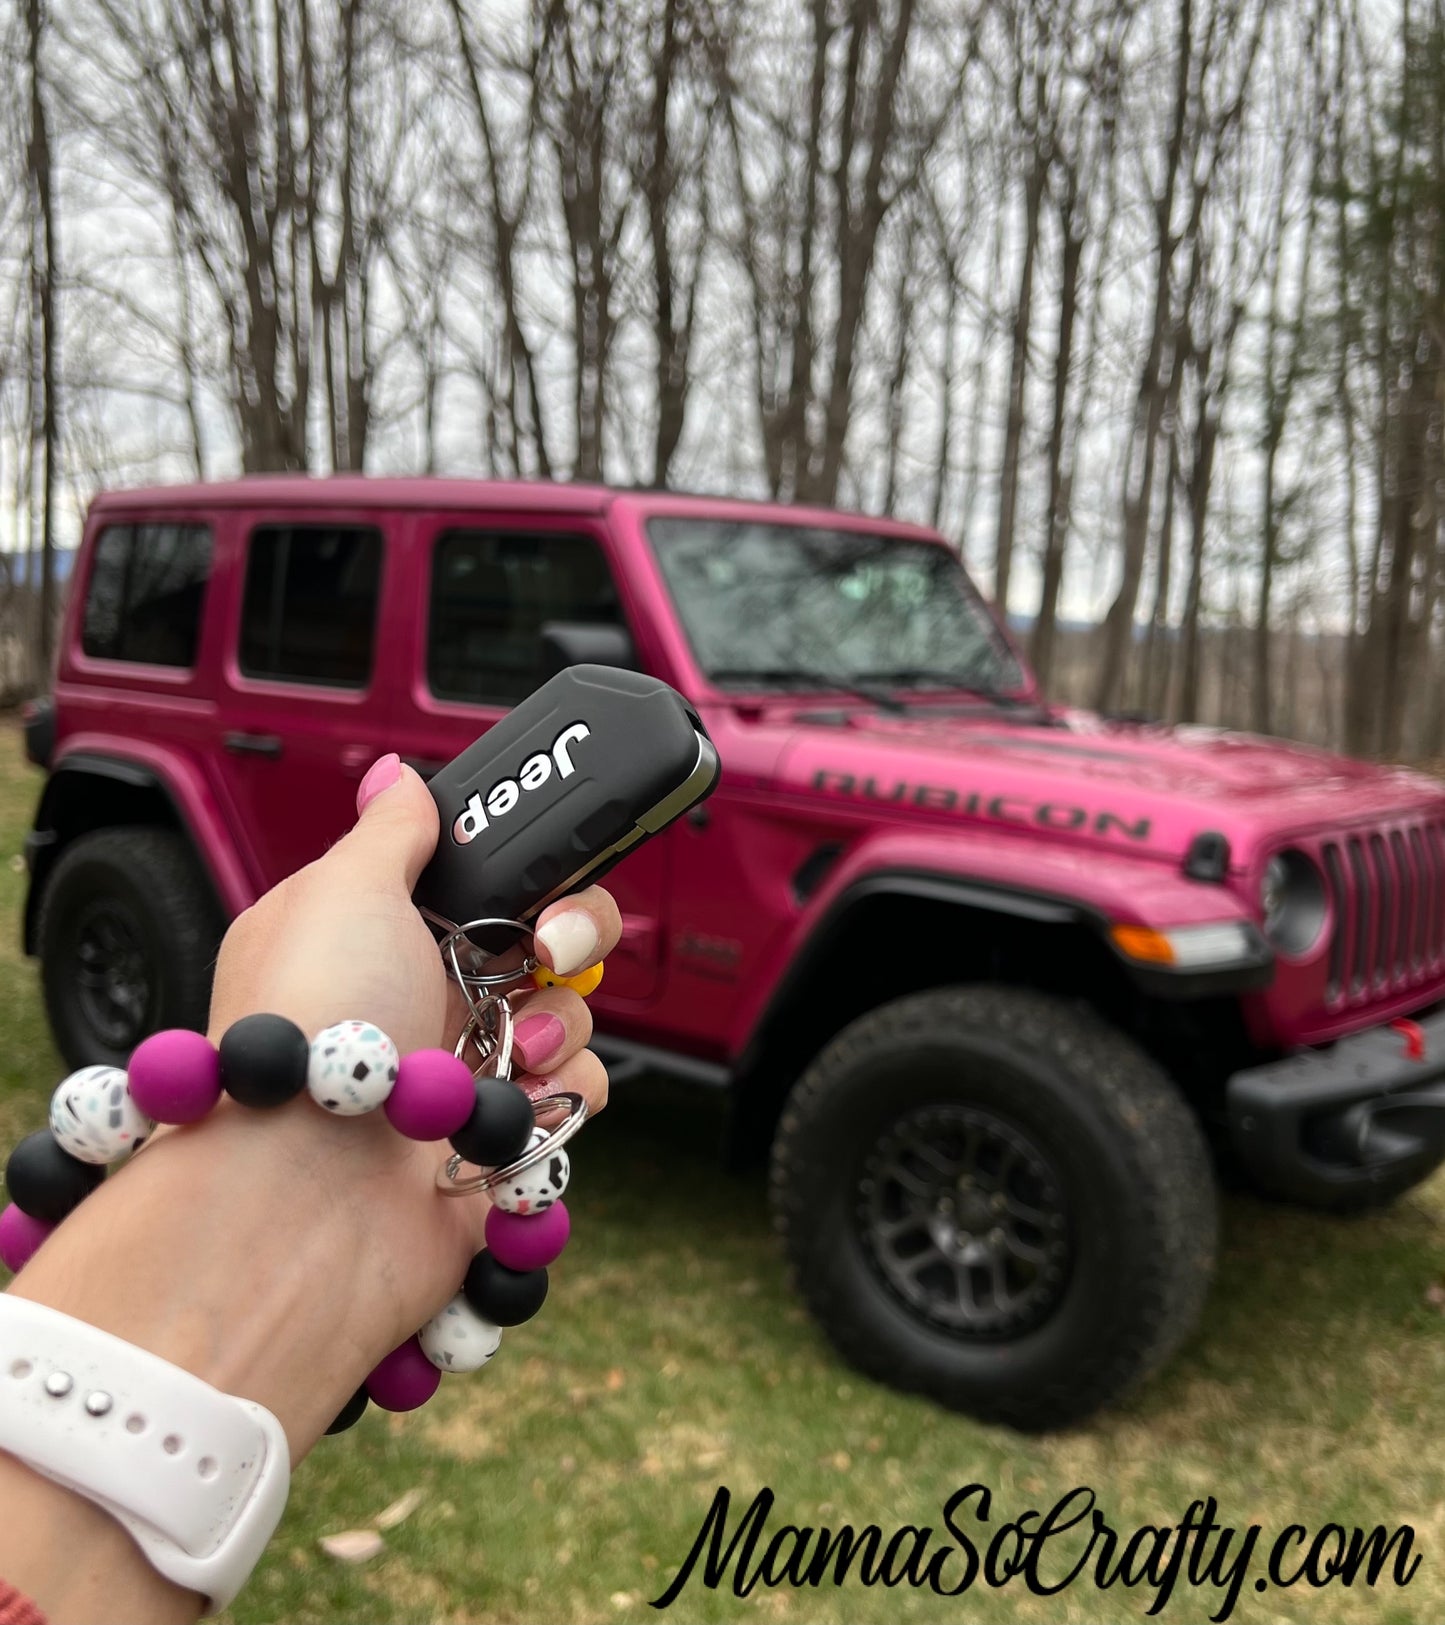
(1146, 788)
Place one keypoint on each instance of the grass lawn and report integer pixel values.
(568, 1481)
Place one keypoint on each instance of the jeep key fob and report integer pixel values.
(561, 789)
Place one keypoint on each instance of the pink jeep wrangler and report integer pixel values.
(992, 978)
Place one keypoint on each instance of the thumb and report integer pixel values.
(396, 833)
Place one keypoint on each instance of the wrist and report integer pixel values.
(269, 1285)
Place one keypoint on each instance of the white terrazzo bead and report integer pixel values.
(352, 1068)
(536, 1188)
(93, 1117)
(458, 1339)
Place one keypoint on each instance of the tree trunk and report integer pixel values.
(517, 360)
(1157, 658)
(672, 313)
(1201, 477)
(1018, 379)
(43, 339)
(1056, 522)
(1153, 387)
(857, 235)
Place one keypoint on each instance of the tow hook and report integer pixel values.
(1414, 1037)
(1358, 1135)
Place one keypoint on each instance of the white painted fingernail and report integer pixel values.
(571, 942)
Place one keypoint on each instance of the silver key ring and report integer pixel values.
(454, 937)
(449, 1185)
(494, 1049)
(489, 1032)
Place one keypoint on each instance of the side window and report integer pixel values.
(491, 594)
(309, 610)
(143, 600)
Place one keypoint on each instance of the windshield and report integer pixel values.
(774, 604)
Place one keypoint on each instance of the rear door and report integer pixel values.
(304, 697)
(484, 586)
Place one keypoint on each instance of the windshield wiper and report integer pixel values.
(796, 675)
(937, 677)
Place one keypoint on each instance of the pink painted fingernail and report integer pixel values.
(538, 1038)
(381, 775)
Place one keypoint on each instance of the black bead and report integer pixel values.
(45, 1181)
(264, 1060)
(350, 1413)
(500, 1125)
(505, 1297)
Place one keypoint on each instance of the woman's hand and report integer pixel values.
(280, 1254)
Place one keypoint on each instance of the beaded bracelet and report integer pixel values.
(102, 1114)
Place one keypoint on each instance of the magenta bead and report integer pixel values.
(531, 1242)
(175, 1076)
(432, 1097)
(20, 1235)
(404, 1379)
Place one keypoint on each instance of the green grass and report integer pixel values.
(568, 1481)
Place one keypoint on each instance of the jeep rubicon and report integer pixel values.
(990, 976)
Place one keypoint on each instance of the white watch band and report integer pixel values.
(198, 1477)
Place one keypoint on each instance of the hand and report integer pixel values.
(279, 1255)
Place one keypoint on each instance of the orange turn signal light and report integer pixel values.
(1143, 943)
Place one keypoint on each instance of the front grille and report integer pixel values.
(1387, 892)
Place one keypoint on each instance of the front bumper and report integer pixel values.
(1326, 1126)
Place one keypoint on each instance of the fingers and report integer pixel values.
(583, 1074)
(396, 832)
(551, 1027)
(577, 931)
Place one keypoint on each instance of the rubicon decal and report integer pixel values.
(1055, 815)
(504, 795)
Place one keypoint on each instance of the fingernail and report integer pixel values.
(381, 775)
(537, 1040)
(571, 941)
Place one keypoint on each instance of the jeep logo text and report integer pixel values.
(504, 795)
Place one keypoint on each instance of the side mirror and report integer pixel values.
(586, 643)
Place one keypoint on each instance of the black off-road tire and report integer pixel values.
(1131, 1164)
(140, 888)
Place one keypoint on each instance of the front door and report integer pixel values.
(486, 585)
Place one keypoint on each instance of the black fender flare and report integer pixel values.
(48, 836)
(1018, 903)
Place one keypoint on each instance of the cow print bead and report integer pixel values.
(45, 1181)
(94, 1118)
(534, 1189)
(352, 1068)
(458, 1339)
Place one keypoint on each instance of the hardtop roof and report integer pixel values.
(446, 491)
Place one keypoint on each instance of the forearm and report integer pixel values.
(76, 1561)
(243, 1321)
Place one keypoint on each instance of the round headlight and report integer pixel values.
(1292, 901)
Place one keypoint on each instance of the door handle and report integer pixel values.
(244, 744)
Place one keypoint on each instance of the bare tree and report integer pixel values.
(815, 178)
(43, 415)
(1212, 77)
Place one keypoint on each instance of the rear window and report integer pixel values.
(143, 600)
(309, 612)
(492, 592)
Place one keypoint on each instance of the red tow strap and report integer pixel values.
(1414, 1038)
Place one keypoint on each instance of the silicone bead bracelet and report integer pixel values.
(102, 1114)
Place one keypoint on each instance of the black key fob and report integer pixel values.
(562, 788)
